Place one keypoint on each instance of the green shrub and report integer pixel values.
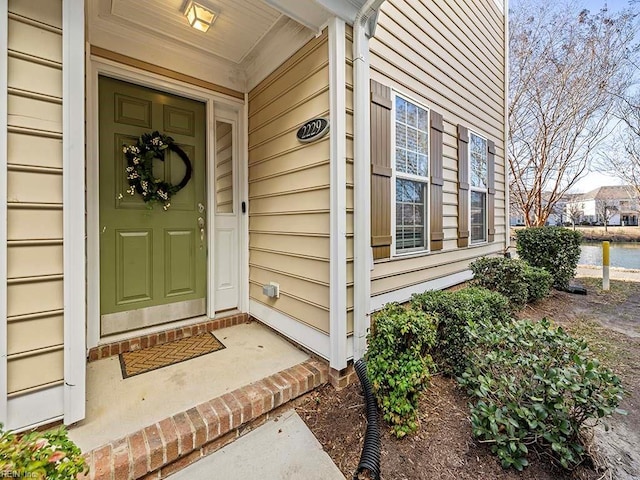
(539, 283)
(535, 387)
(556, 249)
(513, 278)
(503, 275)
(398, 363)
(456, 311)
(49, 455)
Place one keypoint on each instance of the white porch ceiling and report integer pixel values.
(247, 41)
(237, 30)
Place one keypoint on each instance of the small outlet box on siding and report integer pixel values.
(272, 290)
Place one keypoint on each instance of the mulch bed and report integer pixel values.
(442, 449)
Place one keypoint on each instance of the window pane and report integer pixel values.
(478, 160)
(412, 114)
(423, 166)
(401, 110)
(224, 167)
(412, 163)
(401, 159)
(423, 120)
(423, 142)
(412, 137)
(410, 214)
(478, 216)
(401, 135)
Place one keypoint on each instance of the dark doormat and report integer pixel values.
(147, 359)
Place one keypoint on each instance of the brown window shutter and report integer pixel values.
(463, 186)
(381, 172)
(491, 190)
(435, 154)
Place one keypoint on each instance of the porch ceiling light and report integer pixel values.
(199, 16)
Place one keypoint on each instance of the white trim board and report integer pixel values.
(314, 340)
(73, 161)
(4, 40)
(404, 294)
(338, 195)
(243, 195)
(33, 409)
(98, 66)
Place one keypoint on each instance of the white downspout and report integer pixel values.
(507, 194)
(362, 261)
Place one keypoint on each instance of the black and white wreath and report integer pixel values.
(140, 168)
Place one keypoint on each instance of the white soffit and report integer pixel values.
(240, 25)
(306, 12)
(316, 13)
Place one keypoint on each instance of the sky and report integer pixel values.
(613, 5)
(594, 180)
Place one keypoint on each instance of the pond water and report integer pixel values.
(624, 255)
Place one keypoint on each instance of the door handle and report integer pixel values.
(201, 226)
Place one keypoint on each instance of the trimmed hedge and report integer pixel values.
(513, 278)
(539, 283)
(398, 363)
(535, 387)
(456, 311)
(556, 249)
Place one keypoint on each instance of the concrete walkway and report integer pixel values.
(282, 448)
(117, 406)
(615, 273)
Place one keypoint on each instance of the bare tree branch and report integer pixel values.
(568, 69)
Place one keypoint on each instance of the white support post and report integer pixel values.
(507, 206)
(338, 193)
(73, 158)
(362, 191)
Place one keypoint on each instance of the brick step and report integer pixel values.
(175, 442)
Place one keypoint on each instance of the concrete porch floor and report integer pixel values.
(117, 406)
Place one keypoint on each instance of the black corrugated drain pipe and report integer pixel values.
(369, 466)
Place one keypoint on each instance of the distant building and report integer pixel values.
(558, 215)
(624, 199)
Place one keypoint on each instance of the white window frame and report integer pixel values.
(484, 190)
(407, 176)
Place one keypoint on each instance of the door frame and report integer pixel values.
(99, 66)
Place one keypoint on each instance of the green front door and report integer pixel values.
(152, 261)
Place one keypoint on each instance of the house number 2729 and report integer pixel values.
(312, 130)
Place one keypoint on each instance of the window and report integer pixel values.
(411, 175)
(479, 181)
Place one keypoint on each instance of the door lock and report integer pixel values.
(201, 226)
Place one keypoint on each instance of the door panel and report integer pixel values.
(133, 111)
(179, 274)
(178, 120)
(134, 270)
(151, 260)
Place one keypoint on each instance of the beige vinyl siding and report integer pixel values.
(34, 196)
(448, 55)
(289, 188)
